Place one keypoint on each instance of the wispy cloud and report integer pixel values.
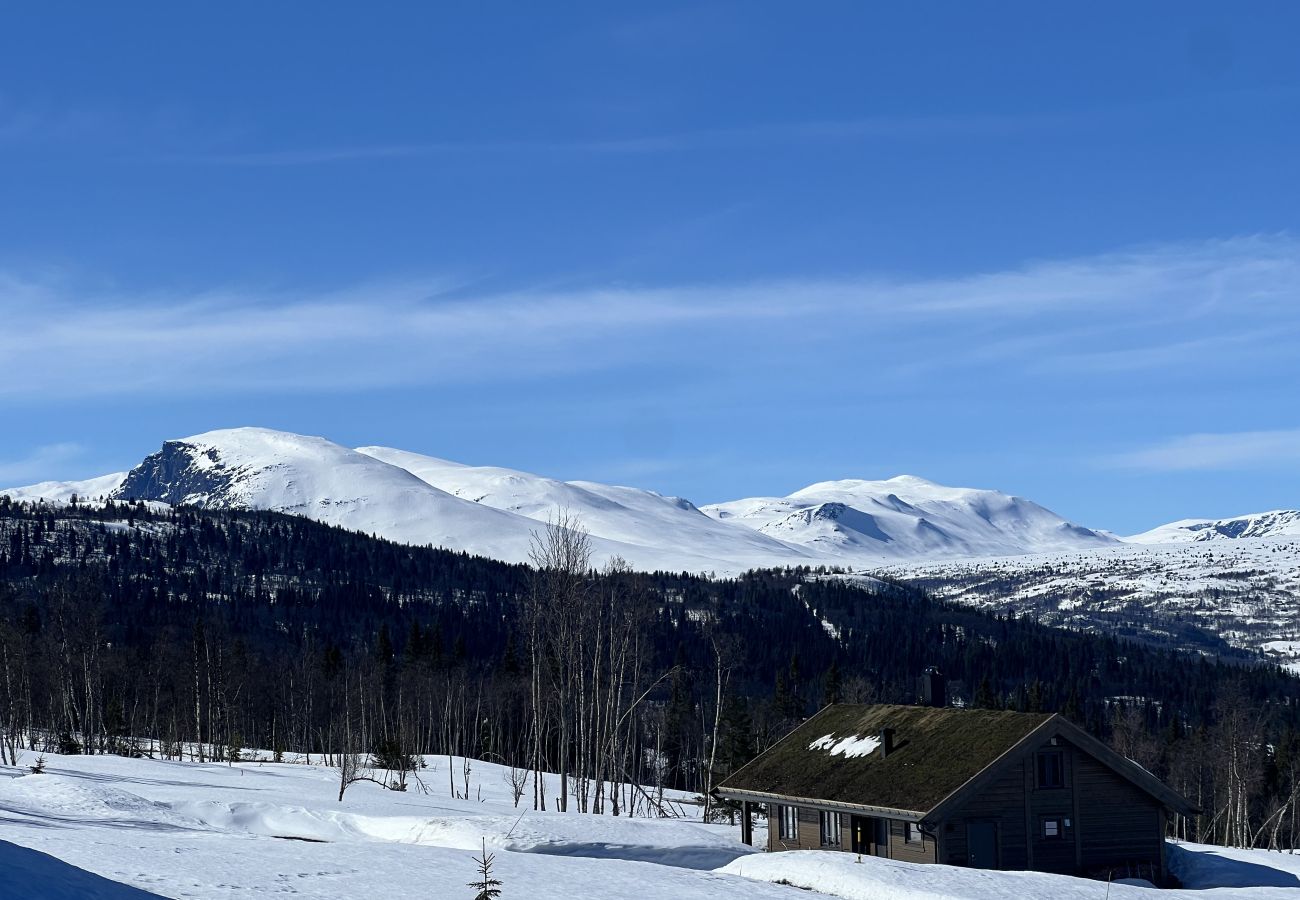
(42, 125)
(740, 137)
(1239, 451)
(38, 463)
(1153, 304)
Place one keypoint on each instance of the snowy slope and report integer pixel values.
(215, 830)
(1278, 523)
(257, 468)
(493, 511)
(208, 831)
(907, 518)
(1245, 592)
(29, 873)
(1236, 874)
(63, 491)
(626, 514)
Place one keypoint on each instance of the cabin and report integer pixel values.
(983, 788)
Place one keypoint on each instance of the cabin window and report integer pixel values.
(1053, 828)
(1051, 769)
(914, 833)
(830, 829)
(789, 824)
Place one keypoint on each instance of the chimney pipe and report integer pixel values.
(886, 742)
(933, 688)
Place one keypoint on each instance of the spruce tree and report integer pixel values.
(488, 888)
(833, 687)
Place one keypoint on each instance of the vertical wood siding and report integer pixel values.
(1113, 823)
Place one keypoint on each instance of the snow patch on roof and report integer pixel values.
(851, 747)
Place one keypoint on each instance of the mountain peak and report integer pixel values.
(495, 511)
(1275, 523)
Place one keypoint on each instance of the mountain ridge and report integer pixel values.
(1274, 523)
(496, 511)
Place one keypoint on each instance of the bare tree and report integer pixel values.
(723, 655)
(350, 770)
(558, 610)
(517, 778)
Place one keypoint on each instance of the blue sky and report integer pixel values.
(713, 249)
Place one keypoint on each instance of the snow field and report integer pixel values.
(1215, 873)
(212, 830)
(209, 830)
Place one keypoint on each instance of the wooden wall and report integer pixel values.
(809, 837)
(899, 848)
(1002, 801)
(1112, 823)
(810, 831)
(1119, 823)
(1048, 855)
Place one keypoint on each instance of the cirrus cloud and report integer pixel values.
(1216, 452)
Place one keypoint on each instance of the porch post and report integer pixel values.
(746, 824)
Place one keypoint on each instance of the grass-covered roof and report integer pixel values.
(935, 751)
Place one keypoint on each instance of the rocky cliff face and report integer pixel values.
(182, 473)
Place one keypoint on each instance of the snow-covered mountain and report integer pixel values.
(494, 511)
(257, 468)
(64, 491)
(978, 546)
(907, 518)
(1278, 523)
(1243, 593)
(624, 514)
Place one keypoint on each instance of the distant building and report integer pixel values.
(981, 788)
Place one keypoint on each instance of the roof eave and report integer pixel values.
(884, 812)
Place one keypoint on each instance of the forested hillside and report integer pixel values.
(120, 623)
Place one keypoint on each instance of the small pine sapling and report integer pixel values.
(488, 888)
(38, 767)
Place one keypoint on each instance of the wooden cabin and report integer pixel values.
(981, 788)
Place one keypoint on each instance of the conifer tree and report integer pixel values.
(488, 888)
(833, 687)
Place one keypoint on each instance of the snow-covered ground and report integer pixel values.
(1210, 873)
(1245, 590)
(183, 829)
(211, 830)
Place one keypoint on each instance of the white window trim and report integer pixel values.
(788, 826)
(830, 828)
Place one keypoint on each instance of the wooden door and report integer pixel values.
(881, 837)
(859, 835)
(982, 845)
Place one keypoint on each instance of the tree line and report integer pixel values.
(126, 629)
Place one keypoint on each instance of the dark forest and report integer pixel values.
(126, 629)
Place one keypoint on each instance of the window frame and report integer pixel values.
(829, 826)
(788, 823)
(1061, 823)
(1040, 769)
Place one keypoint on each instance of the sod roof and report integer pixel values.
(936, 751)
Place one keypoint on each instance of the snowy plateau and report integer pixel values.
(1208, 585)
(115, 828)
